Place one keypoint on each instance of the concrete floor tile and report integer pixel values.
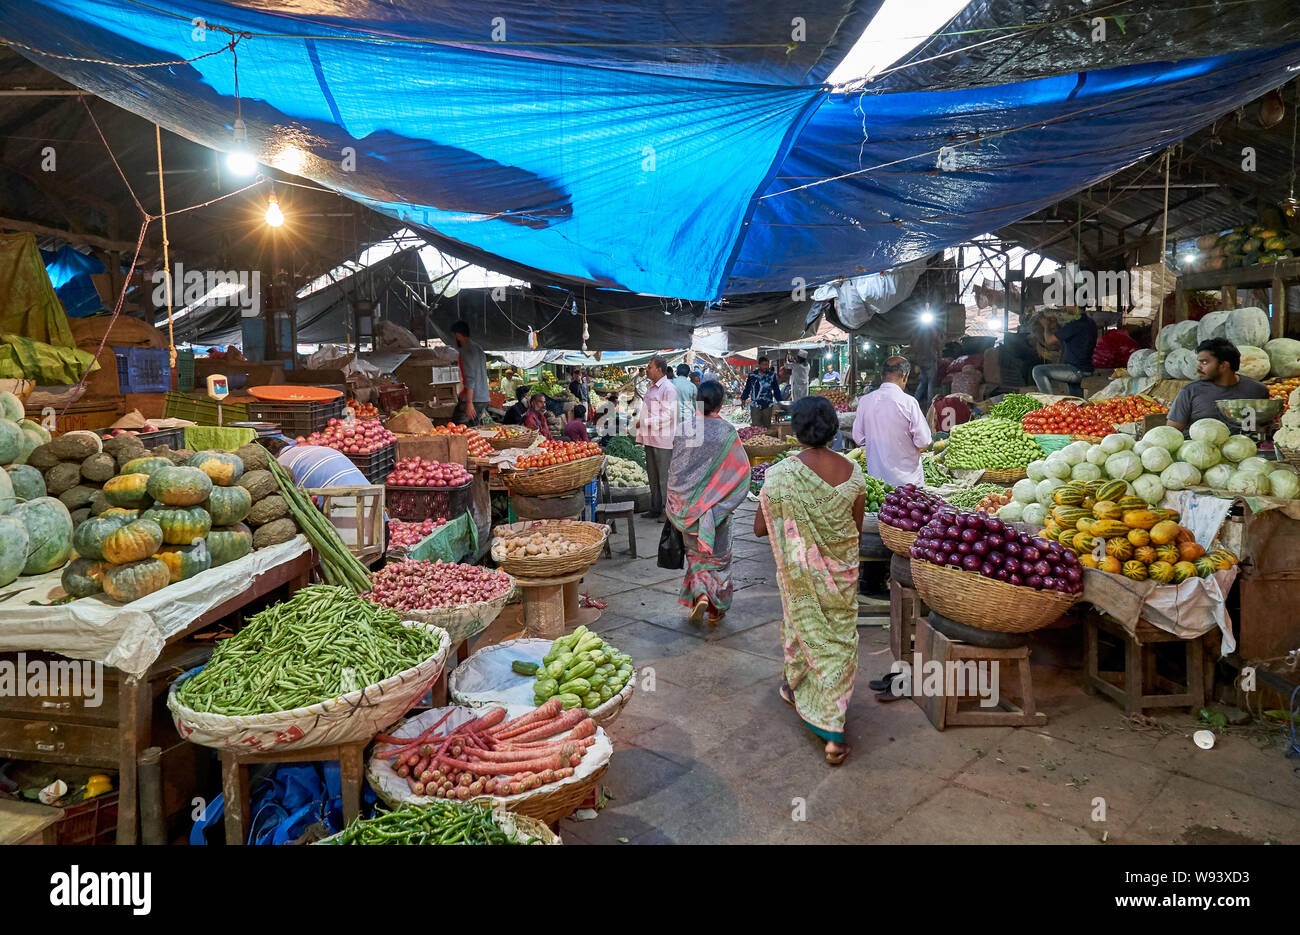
(712, 670)
(646, 604)
(761, 640)
(609, 581)
(960, 816)
(1235, 762)
(1188, 811)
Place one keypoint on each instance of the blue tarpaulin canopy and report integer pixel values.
(685, 150)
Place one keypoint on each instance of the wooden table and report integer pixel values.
(53, 731)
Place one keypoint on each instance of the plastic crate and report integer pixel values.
(378, 464)
(297, 417)
(143, 369)
(184, 371)
(414, 504)
(172, 438)
(202, 411)
(79, 417)
(93, 822)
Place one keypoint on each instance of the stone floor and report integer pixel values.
(712, 755)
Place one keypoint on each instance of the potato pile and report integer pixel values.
(539, 545)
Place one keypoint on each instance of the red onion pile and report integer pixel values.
(423, 585)
(351, 437)
(405, 535)
(909, 508)
(987, 546)
(416, 472)
(749, 431)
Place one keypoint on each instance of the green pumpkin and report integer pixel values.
(180, 486)
(228, 505)
(88, 539)
(185, 561)
(227, 543)
(221, 466)
(129, 491)
(149, 465)
(13, 548)
(49, 534)
(83, 577)
(181, 525)
(134, 580)
(133, 542)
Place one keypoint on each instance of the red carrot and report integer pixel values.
(542, 713)
(407, 741)
(483, 768)
(571, 718)
(515, 756)
(488, 721)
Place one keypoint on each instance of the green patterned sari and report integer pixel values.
(815, 542)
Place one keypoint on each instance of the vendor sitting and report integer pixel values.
(1217, 361)
(535, 417)
(515, 414)
(575, 430)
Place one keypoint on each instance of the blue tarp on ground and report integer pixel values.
(640, 149)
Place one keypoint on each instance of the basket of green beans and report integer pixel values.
(444, 822)
(323, 667)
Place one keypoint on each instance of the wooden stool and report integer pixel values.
(942, 710)
(550, 606)
(608, 512)
(234, 780)
(905, 608)
(1140, 667)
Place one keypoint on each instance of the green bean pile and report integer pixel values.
(439, 822)
(1015, 406)
(323, 642)
(970, 498)
(936, 475)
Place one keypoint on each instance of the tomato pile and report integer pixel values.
(362, 410)
(1066, 418)
(1282, 390)
(405, 535)
(556, 452)
(416, 472)
(1123, 409)
(479, 446)
(351, 437)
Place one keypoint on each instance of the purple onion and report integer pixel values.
(1074, 574)
(1012, 548)
(1014, 579)
(996, 541)
(1029, 553)
(970, 535)
(1042, 568)
(971, 563)
(988, 570)
(1001, 574)
(995, 526)
(963, 548)
(996, 559)
(1012, 565)
(980, 547)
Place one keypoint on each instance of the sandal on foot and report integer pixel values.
(786, 695)
(715, 619)
(698, 611)
(883, 684)
(835, 758)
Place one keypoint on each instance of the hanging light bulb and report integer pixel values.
(274, 217)
(239, 160)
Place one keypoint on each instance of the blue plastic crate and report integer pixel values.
(143, 369)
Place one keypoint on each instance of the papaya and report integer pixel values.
(1111, 564)
(1140, 519)
(1190, 551)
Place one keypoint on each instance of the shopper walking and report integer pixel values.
(762, 388)
(476, 393)
(657, 430)
(890, 425)
(708, 479)
(812, 505)
(686, 399)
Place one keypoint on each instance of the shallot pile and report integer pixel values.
(749, 431)
(909, 507)
(424, 585)
(351, 437)
(405, 535)
(416, 472)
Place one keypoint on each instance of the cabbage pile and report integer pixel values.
(1210, 456)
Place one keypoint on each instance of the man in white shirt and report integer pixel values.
(891, 426)
(798, 375)
(656, 430)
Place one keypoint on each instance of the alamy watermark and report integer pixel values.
(931, 678)
(1071, 286)
(21, 677)
(191, 288)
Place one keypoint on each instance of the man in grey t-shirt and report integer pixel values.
(1217, 361)
(477, 394)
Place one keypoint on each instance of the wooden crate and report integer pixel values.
(449, 449)
(357, 512)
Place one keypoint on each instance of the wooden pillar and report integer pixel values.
(1279, 306)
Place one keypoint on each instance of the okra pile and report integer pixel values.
(436, 823)
(323, 642)
(581, 669)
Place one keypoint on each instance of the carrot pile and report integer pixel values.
(492, 756)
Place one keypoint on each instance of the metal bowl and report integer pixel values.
(1266, 410)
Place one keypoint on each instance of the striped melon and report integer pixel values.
(1222, 559)
(1145, 554)
(1069, 516)
(1183, 571)
(1161, 571)
(1108, 529)
(1139, 537)
(1066, 537)
(1120, 547)
(1135, 570)
(1067, 496)
(1133, 503)
(1205, 566)
(1168, 553)
(1106, 509)
(1140, 519)
(1112, 490)
(1084, 542)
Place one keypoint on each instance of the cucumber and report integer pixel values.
(524, 667)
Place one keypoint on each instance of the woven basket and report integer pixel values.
(347, 718)
(984, 602)
(524, 439)
(523, 826)
(899, 541)
(558, 478)
(465, 620)
(548, 804)
(1004, 477)
(591, 536)
(763, 451)
(1291, 455)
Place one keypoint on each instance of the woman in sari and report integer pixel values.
(811, 505)
(708, 478)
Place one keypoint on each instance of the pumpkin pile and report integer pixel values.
(1113, 530)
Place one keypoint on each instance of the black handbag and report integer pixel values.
(672, 549)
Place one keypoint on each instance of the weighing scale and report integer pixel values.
(218, 390)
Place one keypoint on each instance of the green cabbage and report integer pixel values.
(1057, 467)
(1023, 491)
(1155, 459)
(1034, 513)
(1043, 491)
(1166, 436)
(1124, 465)
(1208, 430)
(1200, 454)
(1219, 475)
(1036, 470)
(1180, 475)
(1096, 455)
(1248, 325)
(1256, 464)
(1238, 448)
(1284, 484)
(1149, 488)
(1012, 511)
(1075, 452)
(1284, 355)
(1249, 483)
(1116, 441)
(1085, 472)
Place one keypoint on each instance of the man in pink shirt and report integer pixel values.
(656, 428)
(892, 428)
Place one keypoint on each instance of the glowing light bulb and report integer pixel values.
(239, 160)
(927, 317)
(274, 216)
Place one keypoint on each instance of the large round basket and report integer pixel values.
(768, 450)
(523, 828)
(591, 536)
(984, 602)
(1004, 477)
(548, 804)
(899, 541)
(524, 439)
(1292, 455)
(485, 679)
(355, 716)
(558, 478)
(464, 621)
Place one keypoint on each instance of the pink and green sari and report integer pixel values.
(708, 479)
(815, 542)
